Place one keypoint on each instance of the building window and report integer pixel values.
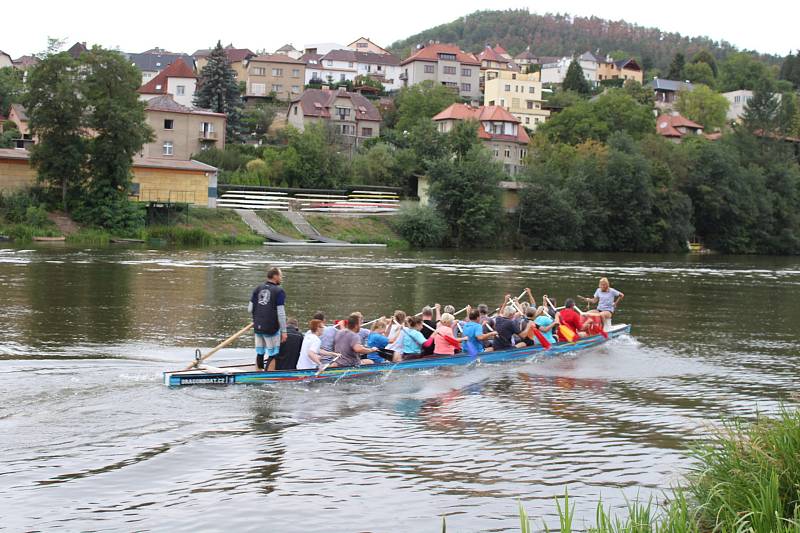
(529, 104)
(380, 68)
(507, 152)
(447, 57)
(366, 132)
(527, 120)
(522, 153)
(343, 112)
(449, 70)
(532, 89)
(277, 72)
(180, 90)
(258, 71)
(507, 88)
(348, 129)
(362, 45)
(330, 62)
(496, 152)
(429, 69)
(277, 88)
(342, 77)
(349, 64)
(466, 87)
(502, 102)
(295, 110)
(295, 72)
(513, 76)
(167, 148)
(491, 102)
(258, 89)
(169, 124)
(295, 89)
(466, 72)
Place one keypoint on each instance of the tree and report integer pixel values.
(741, 71)
(313, 158)
(597, 120)
(116, 118)
(218, 91)
(704, 106)
(676, 68)
(420, 102)
(11, 88)
(55, 112)
(376, 166)
(562, 99)
(575, 80)
(700, 73)
(761, 112)
(704, 56)
(642, 94)
(257, 120)
(366, 81)
(790, 70)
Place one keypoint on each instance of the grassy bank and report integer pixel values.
(746, 478)
(279, 223)
(358, 230)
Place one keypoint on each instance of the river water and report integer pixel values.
(91, 440)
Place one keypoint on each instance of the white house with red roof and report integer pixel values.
(444, 64)
(178, 80)
(500, 131)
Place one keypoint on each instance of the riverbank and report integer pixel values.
(206, 227)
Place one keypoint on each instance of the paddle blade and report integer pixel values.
(452, 342)
(567, 333)
(542, 339)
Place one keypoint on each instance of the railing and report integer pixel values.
(208, 135)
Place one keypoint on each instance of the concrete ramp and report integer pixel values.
(259, 226)
(304, 227)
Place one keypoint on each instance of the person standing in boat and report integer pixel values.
(267, 305)
(606, 298)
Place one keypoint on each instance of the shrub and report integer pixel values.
(421, 226)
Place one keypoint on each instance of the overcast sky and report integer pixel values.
(767, 26)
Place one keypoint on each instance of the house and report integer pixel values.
(556, 71)
(363, 44)
(520, 94)
(344, 65)
(322, 48)
(527, 60)
(382, 67)
(5, 60)
(666, 91)
(19, 116)
(675, 127)
(236, 60)
(178, 80)
(25, 62)
(736, 103)
(77, 49)
(444, 64)
(351, 114)
(624, 69)
(181, 131)
(289, 50)
(499, 130)
(495, 59)
(153, 61)
(276, 74)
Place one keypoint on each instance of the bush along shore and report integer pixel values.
(25, 216)
(746, 478)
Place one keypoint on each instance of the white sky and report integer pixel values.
(183, 26)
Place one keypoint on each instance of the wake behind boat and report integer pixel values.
(250, 374)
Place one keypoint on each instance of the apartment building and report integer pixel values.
(556, 71)
(180, 130)
(624, 69)
(519, 94)
(444, 64)
(499, 130)
(344, 65)
(351, 114)
(274, 73)
(178, 80)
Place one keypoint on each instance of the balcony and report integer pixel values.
(210, 136)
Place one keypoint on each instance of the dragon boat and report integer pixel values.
(250, 374)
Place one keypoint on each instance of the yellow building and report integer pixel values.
(154, 180)
(519, 94)
(625, 69)
(236, 59)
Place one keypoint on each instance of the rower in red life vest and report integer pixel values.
(572, 324)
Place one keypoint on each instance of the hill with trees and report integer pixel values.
(563, 34)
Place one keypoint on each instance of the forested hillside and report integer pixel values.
(557, 35)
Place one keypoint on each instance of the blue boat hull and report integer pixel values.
(235, 375)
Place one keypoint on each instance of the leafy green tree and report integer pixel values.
(464, 190)
(704, 106)
(761, 112)
(366, 81)
(377, 166)
(642, 94)
(704, 56)
(790, 70)
(676, 68)
(575, 80)
(741, 71)
(421, 226)
(119, 131)
(218, 90)
(257, 120)
(562, 99)
(597, 120)
(8, 136)
(55, 111)
(314, 158)
(420, 102)
(11, 88)
(700, 73)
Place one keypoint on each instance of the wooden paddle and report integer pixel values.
(220, 346)
(324, 367)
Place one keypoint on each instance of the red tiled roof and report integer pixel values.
(667, 125)
(158, 85)
(492, 113)
(500, 50)
(318, 103)
(276, 58)
(431, 53)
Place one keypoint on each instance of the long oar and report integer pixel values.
(199, 359)
(324, 367)
(373, 321)
(498, 309)
(602, 331)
